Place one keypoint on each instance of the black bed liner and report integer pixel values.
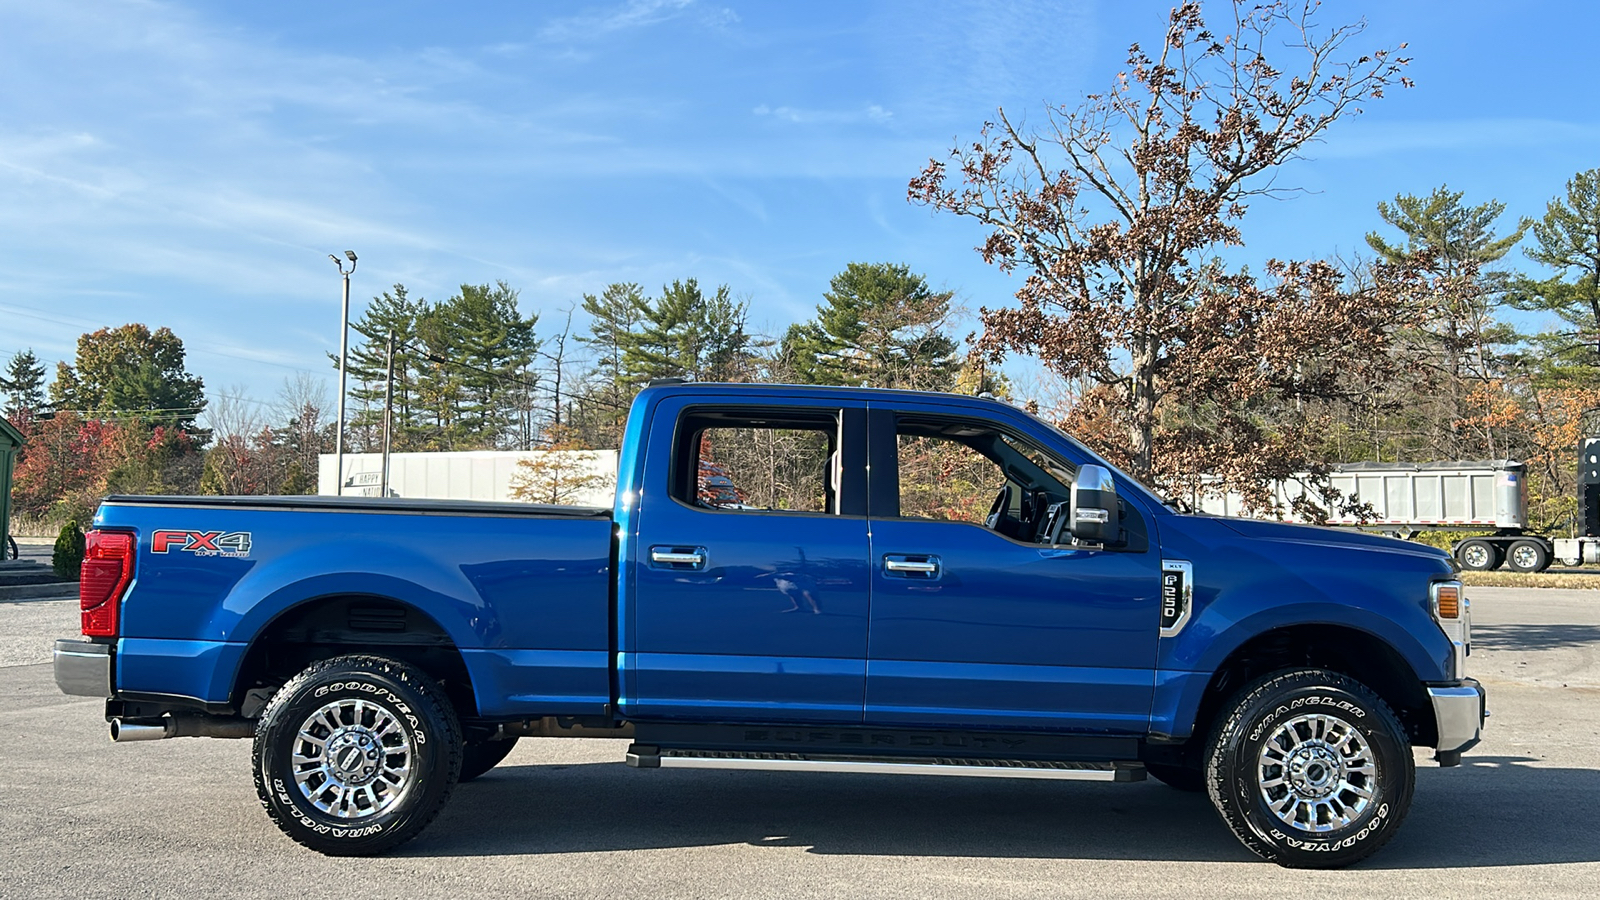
(392, 505)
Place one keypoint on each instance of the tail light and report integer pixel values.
(107, 570)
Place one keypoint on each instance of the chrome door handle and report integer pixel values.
(903, 564)
(678, 556)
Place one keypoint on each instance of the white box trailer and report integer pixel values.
(1406, 499)
(466, 475)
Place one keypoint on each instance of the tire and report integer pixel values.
(370, 802)
(1528, 556)
(1190, 779)
(478, 757)
(1478, 555)
(1326, 739)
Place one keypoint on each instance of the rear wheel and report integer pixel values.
(1528, 556)
(1310, 769)
(356, 755)
(1478, 555)
(478, 757)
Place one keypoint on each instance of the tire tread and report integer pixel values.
(436, 708)
(1227, 729)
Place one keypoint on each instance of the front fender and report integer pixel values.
(1248, 586)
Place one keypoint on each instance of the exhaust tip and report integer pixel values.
(122, 732)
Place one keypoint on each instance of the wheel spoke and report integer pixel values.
(1316, 773)
(333, 770)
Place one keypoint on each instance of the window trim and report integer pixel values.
(848, 440)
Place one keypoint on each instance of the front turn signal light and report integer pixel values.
(1447, 601)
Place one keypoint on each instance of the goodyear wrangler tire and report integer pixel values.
(1310, 769)
(356, 755)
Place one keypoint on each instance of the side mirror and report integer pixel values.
(1093, 512)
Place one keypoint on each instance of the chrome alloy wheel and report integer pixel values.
(1476, 556)
(1524, 557)
(1317, 773)
(352, 759)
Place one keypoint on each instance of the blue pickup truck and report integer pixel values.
(792, 578)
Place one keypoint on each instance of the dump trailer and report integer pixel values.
(1410, 498)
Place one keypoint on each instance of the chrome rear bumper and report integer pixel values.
(83, 669)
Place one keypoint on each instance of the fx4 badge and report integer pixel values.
(201, 543)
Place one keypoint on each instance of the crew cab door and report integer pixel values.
(748, 581)
(976, 619)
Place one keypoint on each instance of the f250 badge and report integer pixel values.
(201, 543)
(1177, 595)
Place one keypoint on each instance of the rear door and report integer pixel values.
(749, 571)
(974, 619)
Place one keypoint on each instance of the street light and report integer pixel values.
(344, 349)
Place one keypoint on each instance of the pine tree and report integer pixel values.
(685, 333)
(602, 404)
(477, 348)
(392, 312)
(882, 326)
(23, 384)
(1569, 242)
(1464, 345)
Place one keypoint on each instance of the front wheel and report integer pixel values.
(356, 755)
(1310, 769)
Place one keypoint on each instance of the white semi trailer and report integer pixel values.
(1409, 498)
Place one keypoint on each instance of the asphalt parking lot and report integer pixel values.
(82, 817)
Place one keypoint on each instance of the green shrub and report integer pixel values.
(68, 555)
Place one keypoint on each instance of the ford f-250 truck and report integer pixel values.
(833, 602)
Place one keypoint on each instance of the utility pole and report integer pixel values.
(388, 418)
(344, 359)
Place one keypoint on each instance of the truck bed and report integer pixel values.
(522, 591)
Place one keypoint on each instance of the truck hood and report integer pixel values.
(1318, 535)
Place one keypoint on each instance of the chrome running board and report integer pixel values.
(645, 757)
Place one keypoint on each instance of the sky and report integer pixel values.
(192, 164)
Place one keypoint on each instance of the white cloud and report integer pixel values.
(873, 114)
(635, 14)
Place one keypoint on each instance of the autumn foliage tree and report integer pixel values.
(130, 370)
(562, 474)
(1116, 210)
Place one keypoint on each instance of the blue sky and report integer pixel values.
(192, 164)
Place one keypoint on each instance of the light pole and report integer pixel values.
(344, 349)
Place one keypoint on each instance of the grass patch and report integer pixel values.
(1569, 580)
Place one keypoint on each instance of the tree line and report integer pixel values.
(1123, 215)
(471, 372)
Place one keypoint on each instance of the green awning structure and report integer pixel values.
(10, 443)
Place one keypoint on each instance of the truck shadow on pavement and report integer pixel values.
(1534, 637)
(1493, 811)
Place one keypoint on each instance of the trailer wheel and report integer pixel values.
(1478, 555)
(1528, 556)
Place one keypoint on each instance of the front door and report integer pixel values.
(750, 579)
(976, 618)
